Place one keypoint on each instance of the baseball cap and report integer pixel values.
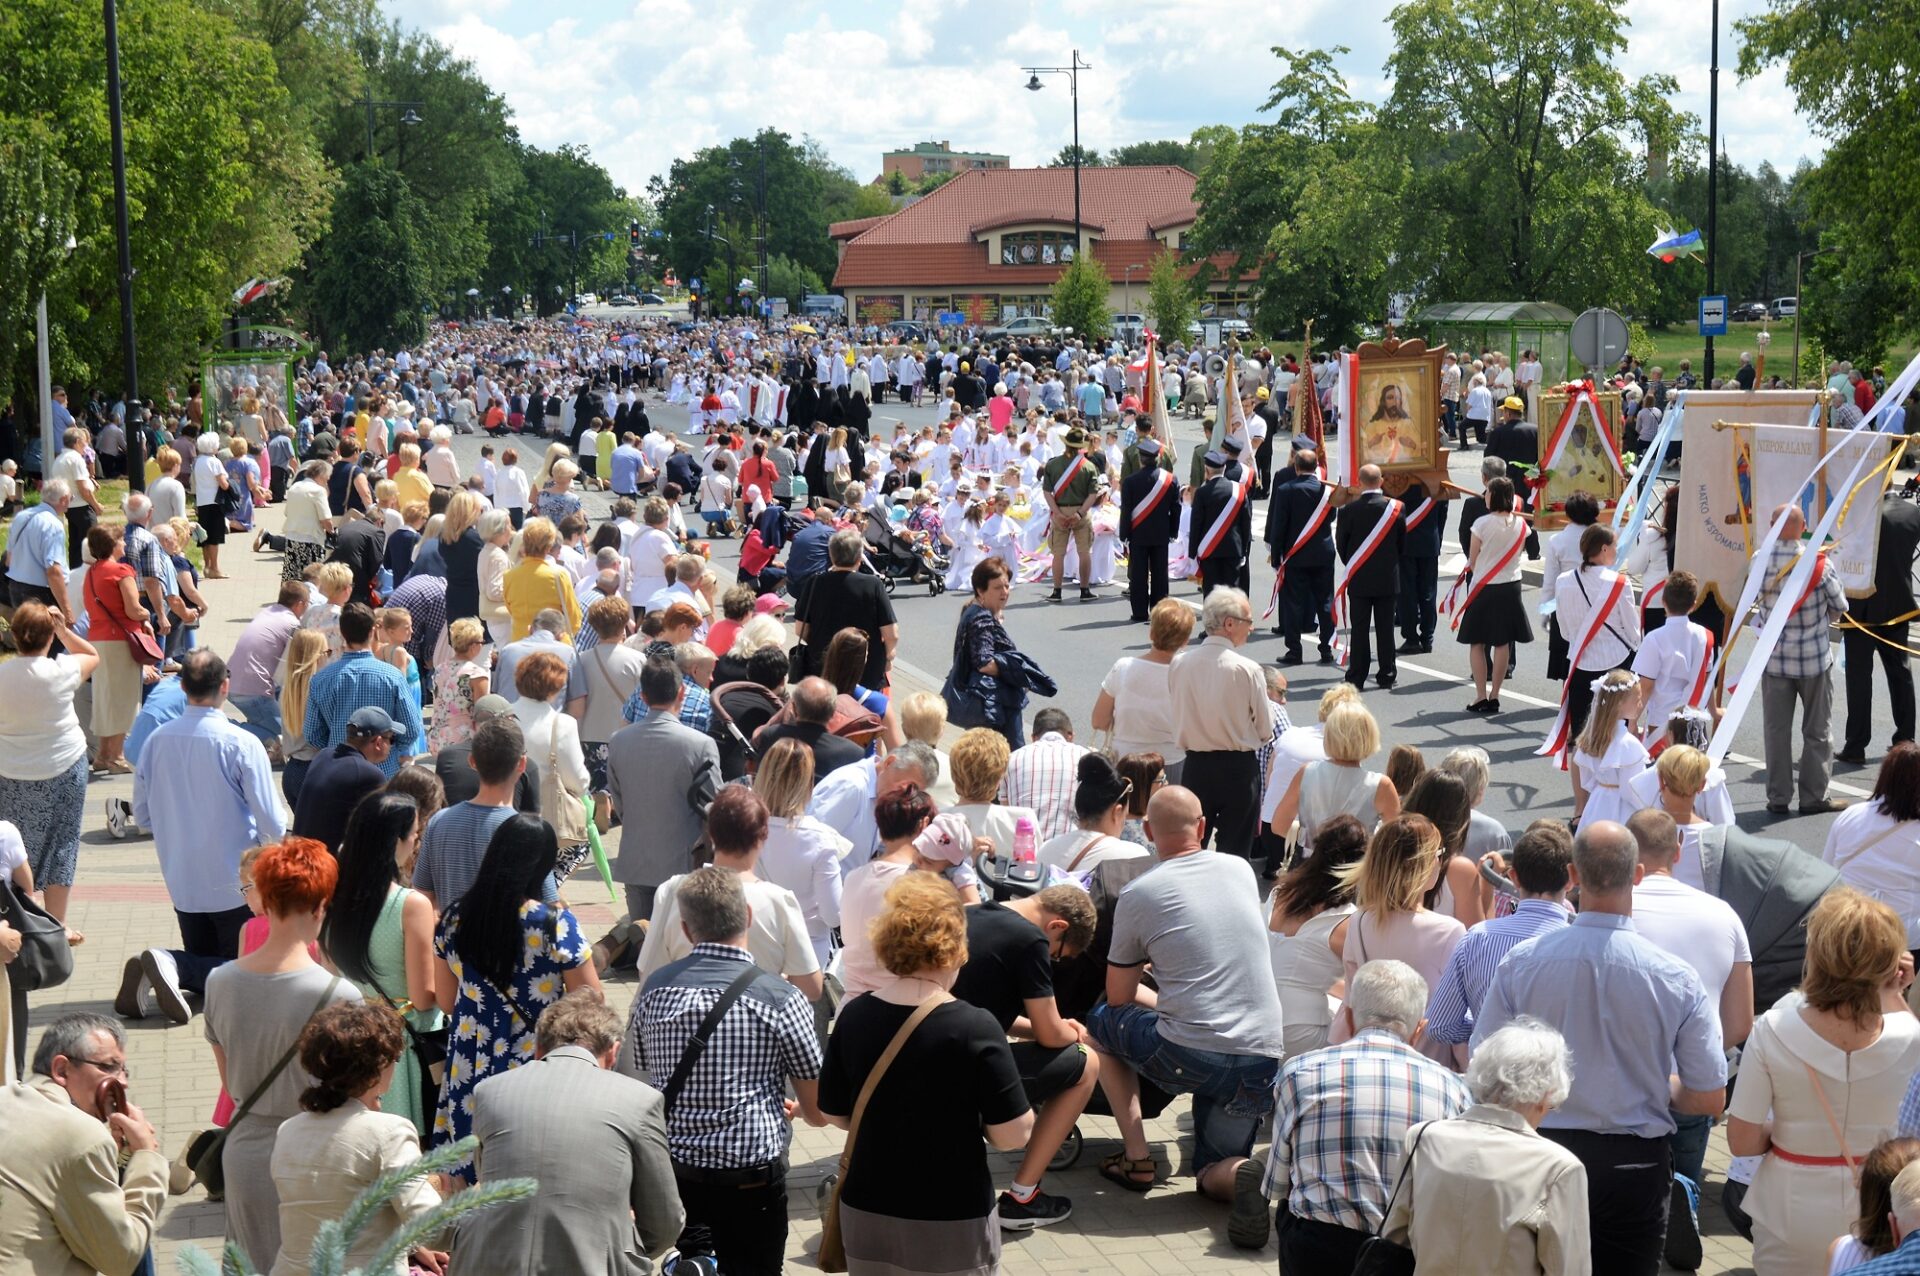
(1231, 446)
(948, 837)
(1514, 403)
(769, 604)
(370, 720)
(491, 706)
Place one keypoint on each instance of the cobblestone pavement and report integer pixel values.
(121, 905)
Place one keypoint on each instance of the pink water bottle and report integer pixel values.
(1026, 863)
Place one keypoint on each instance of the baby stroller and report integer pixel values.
(895, 558)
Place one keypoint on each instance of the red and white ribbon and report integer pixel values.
(1307, 533)
(1477, 583)
(1067, 475)
(1581, 396)
(1342, 621)
(1555, 745)
(1419, 513)
(1656, 737)
(1162, 483)
(1217, 532)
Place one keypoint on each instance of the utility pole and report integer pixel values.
(135, 425)
(1713, 183)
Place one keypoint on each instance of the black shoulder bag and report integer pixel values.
(1379, 1256)
(45, 959)
(702, 1036)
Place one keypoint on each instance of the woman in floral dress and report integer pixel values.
(459, 679)
(505, 956)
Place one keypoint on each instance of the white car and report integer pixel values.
(1024, 326)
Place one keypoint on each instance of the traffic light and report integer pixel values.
(633, 234)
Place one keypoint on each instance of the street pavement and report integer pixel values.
(121, 904)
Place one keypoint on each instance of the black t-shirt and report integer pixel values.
(833, 601)
(921, 1154)
(1007, 963)
(341, 777)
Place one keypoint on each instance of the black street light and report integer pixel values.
(1713, 184)
(135, 416)
(1799, 260)
(1072, 72)
(408, 119)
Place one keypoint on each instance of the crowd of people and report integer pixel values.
(1501, 1049)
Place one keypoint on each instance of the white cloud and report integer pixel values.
(652, 80)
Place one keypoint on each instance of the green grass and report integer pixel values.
(1671, 345)
(113, 497)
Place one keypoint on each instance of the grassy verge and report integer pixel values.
(1671, 345)
(113, 499)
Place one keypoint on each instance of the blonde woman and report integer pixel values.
(535, 583)
(460, 547)
(306, 653)
(923, 717)
(410, 478)
(496, 534)
(1134, 703)
(1821, 1081)
(556, 453)
(334, 581)
(459, 679)
(1390, 882)
(801, 853)
(1339, 784)
(978, 763)
(557, 499)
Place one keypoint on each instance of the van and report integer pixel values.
(824, 303)
(1784, 307)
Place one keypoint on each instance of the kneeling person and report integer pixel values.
(1009, 974)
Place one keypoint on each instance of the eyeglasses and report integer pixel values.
(112, 1069)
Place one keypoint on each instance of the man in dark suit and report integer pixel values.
(1883, 617)
(1425, 525)
(360, 544)
(1222, 554)
(1236, 472)
(901, 475)
(1149, 520)
(1518, 444)
(1306, 592)
(1373, 583)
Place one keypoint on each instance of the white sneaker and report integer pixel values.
(164, 975)
(119, 818)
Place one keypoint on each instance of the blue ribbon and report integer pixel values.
(1644, 473)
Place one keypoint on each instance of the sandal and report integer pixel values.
(1120, 1168)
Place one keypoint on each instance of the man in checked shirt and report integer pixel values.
(1800, 670)
(728, 1123)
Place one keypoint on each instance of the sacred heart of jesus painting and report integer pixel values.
(1399, 405)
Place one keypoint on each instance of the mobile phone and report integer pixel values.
(110, 1097)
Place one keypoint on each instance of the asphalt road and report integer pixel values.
(1077, 642)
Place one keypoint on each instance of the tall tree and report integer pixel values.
(1519, 132)
(373, 287)
(1170, 297)
(1089, 157)
(36, 207)
(1080, 299)
(1850, 64)
(1140, 154)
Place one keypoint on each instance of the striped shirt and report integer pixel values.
(1469, 972)
(1340, 1117)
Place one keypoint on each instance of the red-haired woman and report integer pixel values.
(256, 1009)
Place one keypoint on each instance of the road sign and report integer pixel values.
(1713, 316)
(766, 305)
(1599, 338)
(607, 235)
(949, 318)
(694, 283)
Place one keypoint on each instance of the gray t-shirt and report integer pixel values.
(1197, 919)
(453, 846)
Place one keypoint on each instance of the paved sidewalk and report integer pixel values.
(121, 905)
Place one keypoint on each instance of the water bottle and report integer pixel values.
(1026, 863)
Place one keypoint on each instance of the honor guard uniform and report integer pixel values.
(1300, 546)
(1149, 520)
(1214, 538)
(1067, 482)
(1237, 471)
(1420, 569)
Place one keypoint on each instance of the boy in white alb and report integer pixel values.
(1671, 658)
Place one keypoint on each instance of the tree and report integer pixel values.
(1170, 299)
(896, 183)
(372, 288)
(1513, 122)
(1089, 158)
(36, 207)
(1141, 154)
(788, 278)
(931, 182)
(1850, 70)
(1080, 299)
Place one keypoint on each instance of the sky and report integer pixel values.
(642, 82)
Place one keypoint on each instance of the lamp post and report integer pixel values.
(49, 446)
(134, 425)
(1072, 72)
(1713, 178)
(1126, 285)
(1798, 260)
(409, 118)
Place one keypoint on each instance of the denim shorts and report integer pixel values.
(1232, 1093)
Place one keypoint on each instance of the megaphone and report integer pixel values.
(1216, 365)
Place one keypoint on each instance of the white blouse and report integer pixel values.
(1879, 856)
(1497, 534)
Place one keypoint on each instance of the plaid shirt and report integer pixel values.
(1263, 756)
(730, 1115)
(1340, 1115)
(146, 557)
(1806, 642)
(696, 710)
(1043, 775)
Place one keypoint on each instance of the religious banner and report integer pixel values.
(1579, 449)
(1746, 455)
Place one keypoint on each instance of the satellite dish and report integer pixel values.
(1599, 338)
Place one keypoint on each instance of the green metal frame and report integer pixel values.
(1506, 326)
(283, 357)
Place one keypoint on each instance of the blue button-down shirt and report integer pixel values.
(1632, 1014)
(843, 801)
(354, 681)
(1904, 1261)
(165, 702)
(37, 541)
(1463, 984)
(205, 788)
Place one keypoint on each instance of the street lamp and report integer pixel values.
(48, 448)
(1798, 260)
(409, 118)
(1072, 72)
(135, 424)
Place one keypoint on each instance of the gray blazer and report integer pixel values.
(661, 775)
(597, 1142)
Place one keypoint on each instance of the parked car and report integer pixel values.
(1750, 312)
(652, 299)
(1784, 307)
(904, 331)
(621, 299)
(586, 299)
(1024, 326)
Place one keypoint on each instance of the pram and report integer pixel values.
(895, 558)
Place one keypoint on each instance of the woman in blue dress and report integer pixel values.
(243, 472)
(504, 957)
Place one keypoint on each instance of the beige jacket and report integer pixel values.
(65, 1209)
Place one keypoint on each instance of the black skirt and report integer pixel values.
(1497, 616)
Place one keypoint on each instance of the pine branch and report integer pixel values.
(436, 1220)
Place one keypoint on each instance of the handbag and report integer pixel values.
(565, 812)
(429, 1047)
(141, 644)
(1379, 1256)
(204, 1151)
(45, 959)
(833, 1250)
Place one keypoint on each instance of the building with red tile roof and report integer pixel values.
(990, 243)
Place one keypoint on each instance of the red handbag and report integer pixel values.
(141, 644)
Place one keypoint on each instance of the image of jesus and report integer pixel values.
(1389, 439)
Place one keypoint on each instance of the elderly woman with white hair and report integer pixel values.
(1483, 1194)
(211, 495)
(1485, 835)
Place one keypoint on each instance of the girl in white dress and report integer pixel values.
(1001, 532)
(1179, 566)
(1106, 536)
(1607, 754)
(969, 547)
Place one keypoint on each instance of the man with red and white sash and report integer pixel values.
(1300, 536)
(1800, 669)
(1067, 483)
(1674, 661)
(1214, 536)
(1149, 520)
(1369, 534)
(1426, 524)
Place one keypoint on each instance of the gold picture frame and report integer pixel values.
(1584, 464)
(1399, 405)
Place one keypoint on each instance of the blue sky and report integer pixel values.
(643, 81)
